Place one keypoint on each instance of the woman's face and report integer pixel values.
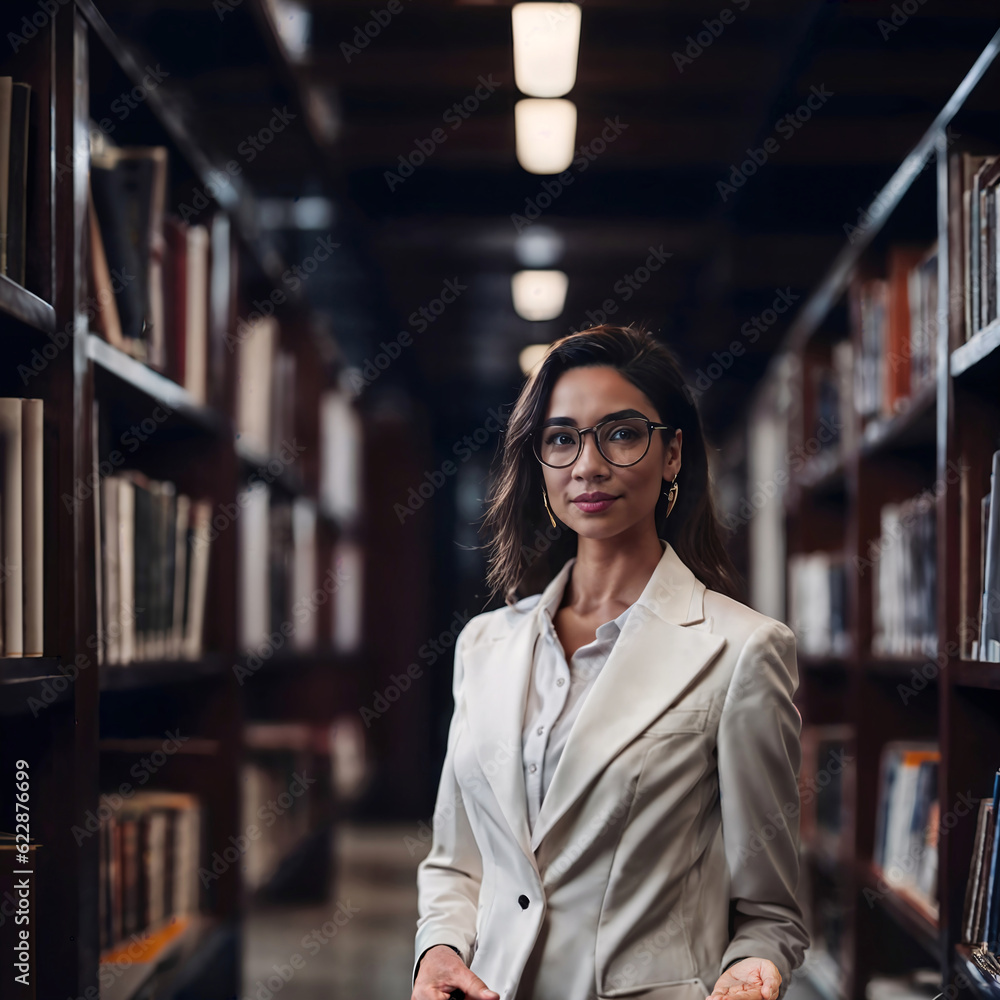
(583, 397)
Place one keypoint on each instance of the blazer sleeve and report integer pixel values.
(759, 755)
(449, 877)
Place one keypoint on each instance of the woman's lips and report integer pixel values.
(594, 506)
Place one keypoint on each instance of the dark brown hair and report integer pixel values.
(524, 550)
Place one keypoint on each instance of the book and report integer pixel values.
(254, 364)
(154, 548)
(817, 603)
(12, 541)
(905, 845)
(989, 631)
(32, 507)
(976, 886)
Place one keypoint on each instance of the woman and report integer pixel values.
(618, 808)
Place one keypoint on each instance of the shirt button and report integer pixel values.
(523, 901)
(541, 729)
(532, 768)
(560, 681)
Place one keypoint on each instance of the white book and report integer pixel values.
(255, 362)
(110, 492)
(990, 626)
(201, 513)
(34, 533)
(12, 547)
(126, 568)
(304, 574)
(254, 577)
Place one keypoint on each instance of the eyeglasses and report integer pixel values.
(621, 441)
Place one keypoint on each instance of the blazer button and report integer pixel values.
(523, 900)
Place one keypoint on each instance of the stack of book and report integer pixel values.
(153, 562)
(974, 227)
(21, 526)
(832, 423)
(895, 324)
(15, 118)
(157, 280)
(150, 853)
(906, 824)
(981, 914)
(276, 799)
(905, 611)
(277, 571)
(817, 603)
(987, 646)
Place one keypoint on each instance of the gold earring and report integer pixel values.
(671, 495)
(545, 500)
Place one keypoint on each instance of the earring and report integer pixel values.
(545, 500)
(671, 495)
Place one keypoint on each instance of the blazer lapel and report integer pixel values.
(653, 662)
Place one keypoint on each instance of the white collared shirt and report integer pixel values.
(556, 693)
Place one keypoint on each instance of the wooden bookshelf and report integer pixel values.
(81, 722)
(832, 505)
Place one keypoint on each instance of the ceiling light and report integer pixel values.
(539, 246)
(531, 357)
(546, 46)
(545, 134)
(539, 295)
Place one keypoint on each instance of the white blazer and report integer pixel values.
(666, 847)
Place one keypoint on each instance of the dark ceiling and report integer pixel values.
(877, 77)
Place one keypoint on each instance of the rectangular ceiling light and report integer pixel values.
(539, 295)
(545, 134)
(546, 47)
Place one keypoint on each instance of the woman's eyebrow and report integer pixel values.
(617, 415)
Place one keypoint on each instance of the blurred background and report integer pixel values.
(274, 272)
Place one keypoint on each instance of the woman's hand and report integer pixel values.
(442, 972)
(748, 979)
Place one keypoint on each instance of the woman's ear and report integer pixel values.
(672, 456)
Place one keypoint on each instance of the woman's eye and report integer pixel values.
(621, 434)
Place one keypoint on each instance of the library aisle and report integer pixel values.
(286, 290)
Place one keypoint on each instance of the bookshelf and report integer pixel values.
(80, 720)
(934, 441)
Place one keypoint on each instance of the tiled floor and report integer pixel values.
(368, 953)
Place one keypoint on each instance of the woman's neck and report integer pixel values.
(611, 571)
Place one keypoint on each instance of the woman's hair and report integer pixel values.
(524, 551)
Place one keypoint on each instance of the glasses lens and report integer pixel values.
(624, 441)
(558, 446)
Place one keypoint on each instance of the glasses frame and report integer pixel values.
(650, 427)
